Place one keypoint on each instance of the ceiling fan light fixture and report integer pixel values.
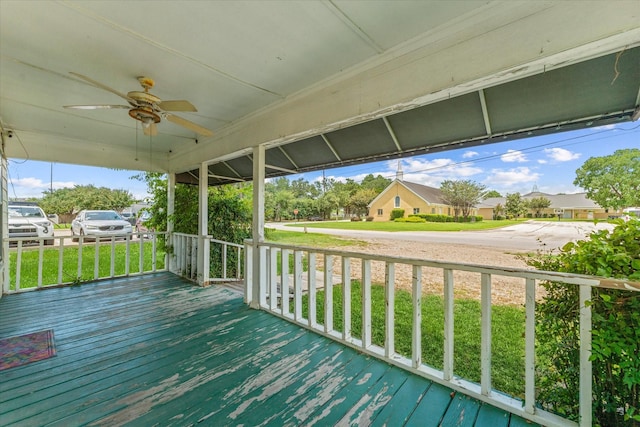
(146, 116)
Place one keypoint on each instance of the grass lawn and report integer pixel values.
(29, 263)
(409, 226)
(309, 239)
(507, 330)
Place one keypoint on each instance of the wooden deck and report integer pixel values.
(155, 350)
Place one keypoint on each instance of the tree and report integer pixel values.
(377, 183)
(612, 181)
(515, 205)
(462, 195)
(498, 211)
(361, 199)
(68, 201)
(538, 204)
(492, 193)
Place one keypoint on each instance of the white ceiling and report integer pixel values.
(273, 72)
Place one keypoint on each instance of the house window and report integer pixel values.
(433, 210)
(379, 212)
(416, 211)
(397, 202)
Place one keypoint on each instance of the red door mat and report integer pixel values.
(23, 349)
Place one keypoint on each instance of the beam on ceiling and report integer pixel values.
(232, 169)
(392, 133)
(212, 175)
(326, 140)
(485, 112)
(291, 171)
(288, 157)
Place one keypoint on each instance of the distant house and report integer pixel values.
(570, 206)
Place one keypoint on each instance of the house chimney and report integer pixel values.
(399, 175)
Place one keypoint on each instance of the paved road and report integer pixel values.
(528, 236)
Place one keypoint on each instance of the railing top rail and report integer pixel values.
(552, 276)
(222, 242)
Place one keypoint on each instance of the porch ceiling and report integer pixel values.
(322, 84)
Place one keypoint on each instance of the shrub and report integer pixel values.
(396, 213)
(369, 218)
(616, 328)
(412, 219)
(356, 218)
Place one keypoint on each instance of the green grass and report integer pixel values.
(409, 226)
(507, 330)
(29, 263)
(316, 240)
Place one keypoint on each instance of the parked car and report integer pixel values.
(100, 223)
(29, 220)
(142, 222)
(129, 216)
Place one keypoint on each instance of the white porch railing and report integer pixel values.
(225, 265)
(276, 289)
(35, 265)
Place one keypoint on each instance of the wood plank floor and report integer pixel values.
(155, 350)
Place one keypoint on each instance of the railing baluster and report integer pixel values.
(127, 255)
(96, 258)
(154, 244)
(239, 263)
(530, 346)
(416, 335)
(112, 269)
(586, 368)
(272, 254)
(224, 260)
(194, 258)
(448, 325)
(40, 262)
(366, 303)
(297, 285)
(346, 298)
(80, 245)
(262, 253)
(248, 274)
(60, 259)
(18, 264)
(311, 283)
(328, 293)
(485, 340)
(389, 299)
(284, 281)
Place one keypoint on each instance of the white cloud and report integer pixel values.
(514, 156)
(560, 154)
(469, 154)
(505, 179)
(542, 161)
(34, 187)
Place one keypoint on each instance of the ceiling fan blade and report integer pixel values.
(189, 125)
(96, 107)
(152, 129)
(102, 86)
(177, 105)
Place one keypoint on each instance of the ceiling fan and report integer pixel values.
(146, 107)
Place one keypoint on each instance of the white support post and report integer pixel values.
(203, 226)
(485, 334)
(586, 368)
(4, 227)
(389, 299)
(447, 370)
(416, 335)
(257, 226)
(170, 260)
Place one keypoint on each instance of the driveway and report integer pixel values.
(528, 236)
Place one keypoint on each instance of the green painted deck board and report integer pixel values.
(154, 349)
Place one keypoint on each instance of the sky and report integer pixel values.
(547, 162)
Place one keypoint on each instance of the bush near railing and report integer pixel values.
(616, 328)
(396, 213)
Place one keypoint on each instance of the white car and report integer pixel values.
(100, 224)
(29, 220)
